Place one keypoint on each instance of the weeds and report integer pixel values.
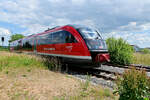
(145, 51)
(53, 63)
(86, 84)
(140, 58)
(19, 60)
(87, 92)
(4, 49)
(133, 85)
(120, 51)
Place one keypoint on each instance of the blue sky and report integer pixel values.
(129, 19)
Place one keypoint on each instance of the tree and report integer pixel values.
(16, 37)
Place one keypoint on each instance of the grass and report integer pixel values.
(26, 77)
(89, 92)
(3, 49)
(19, 60)
(140, 58)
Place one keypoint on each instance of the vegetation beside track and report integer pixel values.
(12, 60)
(140, 58)
(120, 51)
(133, 85)
(4, 48)
(26, 77)
(145, 51)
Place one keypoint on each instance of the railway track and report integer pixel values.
(104, 75)
(137, 66)
(97, 76)
(121, 69)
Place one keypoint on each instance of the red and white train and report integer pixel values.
(79, 45)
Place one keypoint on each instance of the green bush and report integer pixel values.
(145, 51)
(133, 85)
(120, 51)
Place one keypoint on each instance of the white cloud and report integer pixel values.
(140, 39)
(34, 28)
(135, 27)
(6, 34)
(78, 2)
(125, 18)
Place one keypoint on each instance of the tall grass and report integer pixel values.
(120, 51)
(4, 49)
(145, 51)
(19, 60)
(140, 58)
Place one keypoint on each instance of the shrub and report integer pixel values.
(145, 51)
(133, 85)
(120, 51)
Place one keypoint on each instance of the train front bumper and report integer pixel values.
(100, 58)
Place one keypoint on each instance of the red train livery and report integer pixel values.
(71, 43)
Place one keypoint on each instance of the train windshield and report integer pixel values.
(89, 33)
(92, 38)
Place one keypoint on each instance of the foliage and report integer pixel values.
(53, 63)
(133, 85)
(10, 60)
(140, 58)
(16, 37)
(120, 51)
(145, 51)
(3, 48)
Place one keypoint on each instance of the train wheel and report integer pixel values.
(64, 68)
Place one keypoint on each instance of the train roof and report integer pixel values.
(55, 28)
(79, 26)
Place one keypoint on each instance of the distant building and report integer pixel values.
(4, 37)
(136, 48)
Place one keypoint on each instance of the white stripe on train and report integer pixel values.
(67, 56)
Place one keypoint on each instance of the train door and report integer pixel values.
(71, 46)
(34, 45)
(19, 45)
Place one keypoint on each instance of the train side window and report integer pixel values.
(69, 38)
(27, 44)
(58, 37)
(49, 38)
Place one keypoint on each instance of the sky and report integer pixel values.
(128, 19)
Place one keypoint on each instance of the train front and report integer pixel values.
(96, 45)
